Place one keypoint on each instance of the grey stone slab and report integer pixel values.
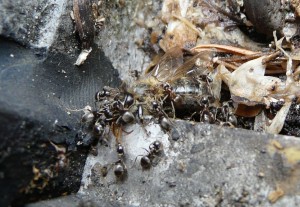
(207, 166)
(124, 27)
(32, 23)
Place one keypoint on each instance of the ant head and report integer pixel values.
(156, 146)
(98, 128)
(155, 105)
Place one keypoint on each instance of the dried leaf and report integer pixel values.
(248, 111)
(216, 84)
(278, 121)
(223, 48)
(249, 83)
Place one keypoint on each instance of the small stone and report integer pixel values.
(261, 175)
(175, 134)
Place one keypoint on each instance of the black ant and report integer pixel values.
(163, 119)
(120, 168)
(227, 115)
(205, 113)
(155, 149)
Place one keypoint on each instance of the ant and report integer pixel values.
(227, 115)
(155, 149)
(205, 113)
(163, 119)
(120, 168)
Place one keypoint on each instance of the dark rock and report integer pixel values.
(37, 99)
(175, 134)
(266, 15)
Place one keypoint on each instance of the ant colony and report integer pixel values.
(208, 83)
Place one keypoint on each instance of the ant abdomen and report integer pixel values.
(146, 162)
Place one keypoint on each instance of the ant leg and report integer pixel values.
(126, 131)
(228, 124)
(95, 104)
(173, 109)
(193, 114)
(140, 156)
(165, 98)
(146, 150)
(135, 160)
(201, 115)
(155, 160)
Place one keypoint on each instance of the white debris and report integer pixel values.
(82, 56)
